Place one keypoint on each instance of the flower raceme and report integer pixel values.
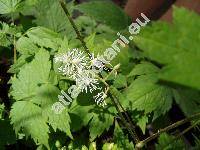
(83, 70)
(73, 63)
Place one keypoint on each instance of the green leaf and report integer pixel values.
(142, 121)
(31, 121)
(33, 86)
(50, 14)
(100, 122)
(21, 61)
(9, 6)
(26, 46)
(143, 68)
(109, 146)
(167, 142)
(120, 81)
(175, 46)
(44, 37)
(99, 45)
(47, 95)
(183, 72)
(80, 115)
(121, 140)
(105, 12)
(31, 75)
(188, 100)
(7, 32)
(145, 94)
(2, 109)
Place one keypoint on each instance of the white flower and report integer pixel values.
(73, 62)
(87, 80)
(100, 99)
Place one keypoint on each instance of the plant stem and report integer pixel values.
(133, 134)
(114, 100)
(172, 126)
(186, 130)
(112, 91)
(116, 103)
(79, 36)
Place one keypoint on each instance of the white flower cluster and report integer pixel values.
(79, 67)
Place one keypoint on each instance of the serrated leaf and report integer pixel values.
(31, 75)
(31, 121)
(80, 115)
(7, 32)
(145, 94)
(167, 142)
(176, 46)
(105, 12)
(44, 37)
(47, 95)
(188, 100)
(26, 46)
(99, 123)
(50, 14)
(9, 6)
(143, 68)
(120, 81)
(15, 68)
(100, 46)
(142, 123)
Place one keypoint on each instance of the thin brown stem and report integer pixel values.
(79, 36)
(181, 134)
(186, 130)
(112, 91)
(133, 135)
(172, 126)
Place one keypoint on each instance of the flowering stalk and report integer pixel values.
(114, 100)
(79, 36)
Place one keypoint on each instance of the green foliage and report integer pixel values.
(37, 90)
(163, 43)
(146, 95)
(167, 142)
(99, 123)
(31, 120)
(166, 53)
(10, 6)
(2, 107)
(49, 14)
(7, 32)
(121, 140)
(105, 12)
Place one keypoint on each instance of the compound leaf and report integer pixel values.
(99, 123)
(162, 43)
(31, 75)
